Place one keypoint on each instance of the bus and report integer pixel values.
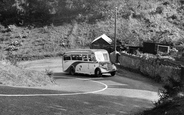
(88, 61)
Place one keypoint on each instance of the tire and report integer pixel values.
(98, 73)
(113, 73)
(72, 71)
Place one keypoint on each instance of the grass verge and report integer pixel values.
(15, 76)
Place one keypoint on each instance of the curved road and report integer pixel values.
(122, 94)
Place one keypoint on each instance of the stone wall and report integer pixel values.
(130, 61)
(155, 68)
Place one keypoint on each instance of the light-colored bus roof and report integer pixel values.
(84, 51)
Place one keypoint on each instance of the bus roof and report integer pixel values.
(84, 51)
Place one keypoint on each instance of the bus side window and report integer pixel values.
(66, 57)
(93, 57)
(105, 55)
(79, 57)
(89, 57)
(74, 57)
(85, 58)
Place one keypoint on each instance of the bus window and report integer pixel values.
(106, 58)
(99, 56)
(79, 57)
(84, 57)
(67, 57)
(102, 56)
(74, 57)
(89, 57)
(92, 57)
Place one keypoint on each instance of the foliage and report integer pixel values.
(54, 25)
(170, 91)
(49, 11)
(49, 72)
(170, 102)
(15, 76)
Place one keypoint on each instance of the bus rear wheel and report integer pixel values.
(72, 71)
(98, 73)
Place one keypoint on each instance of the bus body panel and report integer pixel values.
(82, 68)
(92, 67)
(66, 65)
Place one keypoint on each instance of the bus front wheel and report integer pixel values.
(113, 73)
(98, 73)
(72, 71)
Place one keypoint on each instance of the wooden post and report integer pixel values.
(115, 26)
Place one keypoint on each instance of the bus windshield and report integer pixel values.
(101, 57)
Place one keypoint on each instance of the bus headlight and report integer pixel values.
(114, 67)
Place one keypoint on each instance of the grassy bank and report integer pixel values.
(16, 76)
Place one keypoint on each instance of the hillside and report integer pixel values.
(48, 28)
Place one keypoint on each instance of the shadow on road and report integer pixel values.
(60, 75)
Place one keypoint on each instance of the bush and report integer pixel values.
(17, 76)
(169, 92)
(13, 59)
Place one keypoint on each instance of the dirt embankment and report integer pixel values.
(18, 76)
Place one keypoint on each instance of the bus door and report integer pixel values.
(92, 63)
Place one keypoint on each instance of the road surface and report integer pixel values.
(125, 93)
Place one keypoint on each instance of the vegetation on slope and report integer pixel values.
(140, 20)
(171, 100)
(16, 76)
(49, 27)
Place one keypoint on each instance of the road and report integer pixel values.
(125, 93)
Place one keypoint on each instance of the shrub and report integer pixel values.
(18, 76)
(170, 91)
(13, 59)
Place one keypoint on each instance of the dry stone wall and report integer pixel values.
(153, 67)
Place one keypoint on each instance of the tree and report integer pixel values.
(26, 11)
